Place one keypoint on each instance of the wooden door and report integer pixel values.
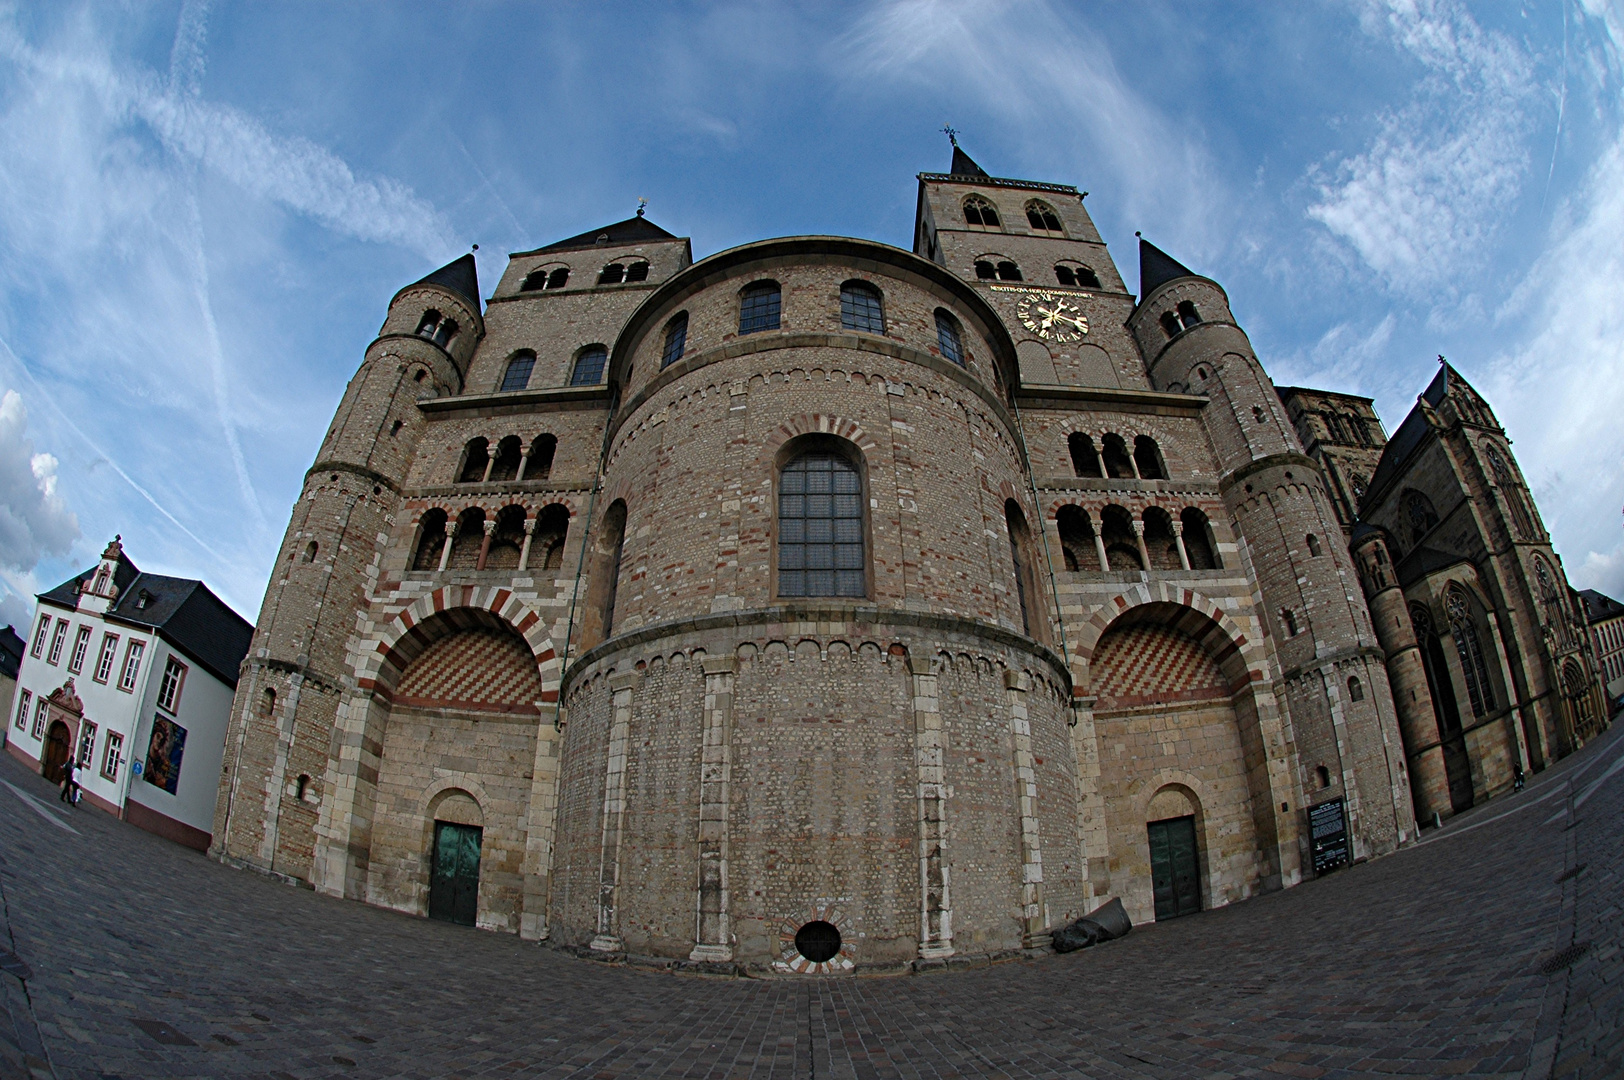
(58, 745)
(454, 877)
(1175, 867)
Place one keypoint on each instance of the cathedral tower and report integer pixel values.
(1332, 666)
(283, 714)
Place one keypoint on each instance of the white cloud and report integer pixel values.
(34, 520)
(1427, 194)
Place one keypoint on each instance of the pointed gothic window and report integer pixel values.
(979, 212)
(1463, 628)
(820, 527)
(676, 340)
(948, 337)
(1041, 216)
(860, 308)
(589, 363)
(517, 376)
(759, 307)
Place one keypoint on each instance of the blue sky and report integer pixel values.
(204, 209)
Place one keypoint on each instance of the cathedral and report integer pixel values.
(824, 606)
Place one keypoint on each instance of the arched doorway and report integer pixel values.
(454, 856)
(58, 745)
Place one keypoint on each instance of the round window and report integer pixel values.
(818, 941)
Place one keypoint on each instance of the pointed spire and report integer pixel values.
(1157, 267)
(963, 165)
(460, 276)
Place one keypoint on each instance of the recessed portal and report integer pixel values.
(454, 879)
(1175, 870)
(818, 941)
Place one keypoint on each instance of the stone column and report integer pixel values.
(529, 533)
(524, 463)
(491, 447)
(1099, 546)
(621, 685)
(712, 934)
(1178, 538)
(935, 903)
(1139, 538)
(450, 538)
(485, 544)
(1016, 683)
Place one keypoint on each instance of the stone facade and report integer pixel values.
(558, 575)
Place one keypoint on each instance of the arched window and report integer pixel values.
(1418, 511)
(676, 340)
(820, 526)
(1117, 462)
(428, 324)
(1008, 271)
(534, 280)
(1198, 542)
(1313, 545)
(948, 337)
(1065, 275)
(605, 584)
(539, 465)
(1512, 491)
(637, 271)
(985, 271)
(860, 308)
(1076, 275)
(1041, 216)
(1148, 456)
(1288, 619)
(1323, 775)
(302, 787)
(980, 213)
(613, 274)
(474, 458)
(1356, 689)
(1160, 543)
(1085, 460)
(558, 278)
(1077, 539)
(430, 540)
(547, 542)
(467, 538)
(445, 333)
(517, 376)
(1087, 278)
(589, 363)
(310, 552)
(1121, 544)
(509, 457)
(1188, 315)
(1463, 628)
(759, 307)
(1170, 324)
(267, 702)
(1026, 579)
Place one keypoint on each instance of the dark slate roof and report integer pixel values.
(1157, 268)
(1425, 560)
(964, 165)
(11, 652)
(1410, 434)
(67, 593)
(461, 276)
(631, 231)
(1599, 606)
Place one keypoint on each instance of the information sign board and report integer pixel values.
(1328, 835)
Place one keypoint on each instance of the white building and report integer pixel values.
(1606, 618)
(133, 674)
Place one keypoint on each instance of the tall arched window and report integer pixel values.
(1463, 628)
(475, 456)
(1188, 315)
(517, 376)
(540, 462)
(1117, 462)
(860, 308)
(428, 324)
(759, 307)
(1026, 579)
(589, 363)
(948, 337)
(1170, 324)
(445, 333)
(1041, 216)
(1077, 538)
(1085, 460)
(1512, 491)
(820, 526)
(1356, 689)
(979, 212)
(1008, 271)
(676, 340)
(558, 278)
(637, 271)
(1198, 542)
(1148, 456)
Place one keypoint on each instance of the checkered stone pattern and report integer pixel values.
(473, 669)
(1144, 664)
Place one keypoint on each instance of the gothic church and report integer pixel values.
(824, 606)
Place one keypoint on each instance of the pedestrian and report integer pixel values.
(70, 786)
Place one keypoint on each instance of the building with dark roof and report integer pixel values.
(1605, 617)
(131, 675)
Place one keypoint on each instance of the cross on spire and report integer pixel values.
(952, 134)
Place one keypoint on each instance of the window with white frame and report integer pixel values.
(57, 639)
(169, 688)
(39, 636)
(87, 744)
(22, 711)
(41, 711)
(112, 755)
(104, 659)
(81, 645)
(132, 666)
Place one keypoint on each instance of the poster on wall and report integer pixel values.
(163, 755)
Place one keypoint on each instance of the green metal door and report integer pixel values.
(454, 878)
(1175, 868)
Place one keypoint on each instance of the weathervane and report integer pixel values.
(952, 134)
(642, 204)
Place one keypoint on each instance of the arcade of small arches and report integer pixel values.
(1110, 538)
(1071, 274)
(512, 538)
(1112, 459)
(513, 460)
(557, 275)
(437, 328)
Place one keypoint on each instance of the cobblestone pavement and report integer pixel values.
(151, 961)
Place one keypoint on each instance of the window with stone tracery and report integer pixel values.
(1474, 667)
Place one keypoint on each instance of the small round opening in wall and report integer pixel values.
(818, 941)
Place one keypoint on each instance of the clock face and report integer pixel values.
(1051, 317)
